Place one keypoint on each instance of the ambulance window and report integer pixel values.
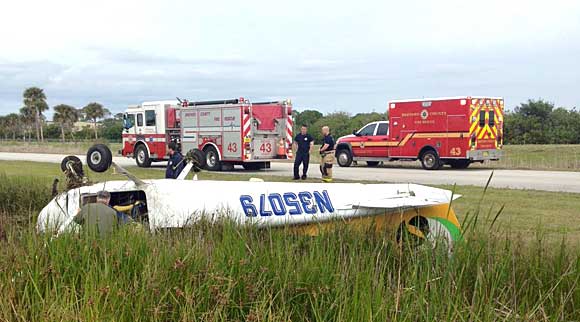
(383, 129)
(482, 118)
(491, 118)
(368, 130)
(149, 118)
(139, 119)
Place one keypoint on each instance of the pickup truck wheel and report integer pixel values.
(212, 159)
(372, 163)
(344, 158)
(430, 160)
(142, 156)
(459, 164)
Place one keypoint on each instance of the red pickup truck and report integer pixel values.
(456, 131)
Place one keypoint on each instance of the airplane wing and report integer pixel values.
(414, 197)
(129, 175)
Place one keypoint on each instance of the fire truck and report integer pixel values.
(228, 132)
(456, 131)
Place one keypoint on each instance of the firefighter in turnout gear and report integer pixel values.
(176, 162)
(326, 155)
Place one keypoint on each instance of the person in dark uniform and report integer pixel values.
(303, 143)
(326, 155)
(175, 164)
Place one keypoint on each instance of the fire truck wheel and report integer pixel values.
(99, 158)
(212, 159)
(344, 158)
(430, 160)
(142, 156)
(74, 162)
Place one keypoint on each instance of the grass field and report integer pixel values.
(524, 268)
(533, 157)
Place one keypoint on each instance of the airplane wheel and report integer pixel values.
(212, 159)
(75, 163)
(99, 158)
(344, 158)
(198, 158)
(142, 157)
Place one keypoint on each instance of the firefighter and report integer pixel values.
(176, 162)
(303, 143)
(326, 155)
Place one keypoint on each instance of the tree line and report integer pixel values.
(31, 123)
(532, 122)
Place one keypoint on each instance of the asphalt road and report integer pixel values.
(515, 179)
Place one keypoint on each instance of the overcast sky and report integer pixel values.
(330, 55)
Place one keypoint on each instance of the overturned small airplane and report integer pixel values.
(309, 208)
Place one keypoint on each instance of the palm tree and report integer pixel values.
(27, 119)
(94, 111)
(66, 116)
(35, 101)
(12, 122)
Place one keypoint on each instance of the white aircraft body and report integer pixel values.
(423, 211)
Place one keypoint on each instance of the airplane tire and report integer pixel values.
(99, 158)
(198, 157)
(77, 164)
(212, 159)
(344, 158)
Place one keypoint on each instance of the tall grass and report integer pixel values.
(224, 272)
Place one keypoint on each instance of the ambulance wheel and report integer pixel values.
(372, 163)
(75, 163)
(459, 164)
(212, 159)
(430, 160)
(99, 158)
(344, 158)
(142, 156)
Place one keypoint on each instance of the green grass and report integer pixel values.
(526, 267)
(523, 210)
(53, 147)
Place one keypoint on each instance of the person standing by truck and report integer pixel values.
(175, 164)
(303, 143)
(326, 155)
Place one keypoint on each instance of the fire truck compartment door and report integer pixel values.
(266, 116)
(264, 148)
(232, 148)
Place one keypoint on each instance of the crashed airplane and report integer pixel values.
(309, 208)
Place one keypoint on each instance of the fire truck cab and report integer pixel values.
(228, 132)
(454, 131)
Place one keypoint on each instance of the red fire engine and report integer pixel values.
(455, 131)
(228, 132)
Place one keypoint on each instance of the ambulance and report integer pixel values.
(228, 132)
(455, 131)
